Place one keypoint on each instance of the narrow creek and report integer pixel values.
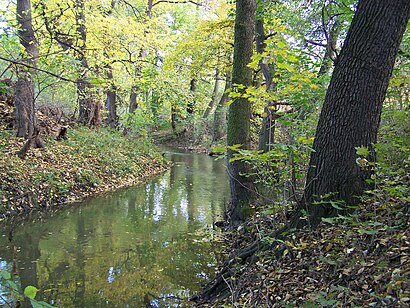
(140, 246)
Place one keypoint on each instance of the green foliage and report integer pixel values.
(393, 148)
(30, 292)
(13, 291)
(139, 122)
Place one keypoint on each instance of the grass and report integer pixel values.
(88, 162)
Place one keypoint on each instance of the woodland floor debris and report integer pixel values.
(355, 260)
(88, 162)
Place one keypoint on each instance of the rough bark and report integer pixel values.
(351, 112)
(24, 92)
(240, 110)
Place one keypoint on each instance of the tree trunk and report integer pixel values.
(267, 133)
(173, 117)
(330, 53)
(190, 109)
(24, 94)
(214, 95)
(133, 99)
(240, 110)
(351, 112)
(219, 129)
(111, 102)
(89, 106)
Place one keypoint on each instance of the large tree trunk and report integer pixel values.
(240, 110)
(351, 112)
(24, 94)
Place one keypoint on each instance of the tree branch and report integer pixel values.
(176, 2)
(315, 43)
(37, 69)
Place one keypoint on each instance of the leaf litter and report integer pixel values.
(361, 259)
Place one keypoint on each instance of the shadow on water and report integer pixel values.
(142, 246)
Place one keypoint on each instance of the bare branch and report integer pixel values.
(315, 43)
(37, 69)
(176, 2)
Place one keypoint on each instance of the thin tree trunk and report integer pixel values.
(330, 53)
(190, 109)
(89, 106)
(173, 117)
(111, 99)
(219, 129)
(240, 111)
(267, 133)
(133, 99)
(351, 112)
(111, 102)
(214, 95)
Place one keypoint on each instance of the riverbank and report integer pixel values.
(355, 260)
(87, 163)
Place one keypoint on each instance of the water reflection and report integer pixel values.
(138, 246)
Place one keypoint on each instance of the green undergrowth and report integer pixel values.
(88, 162)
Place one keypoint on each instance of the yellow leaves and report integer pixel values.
(299, 246)
(285, 66)
(305, 140)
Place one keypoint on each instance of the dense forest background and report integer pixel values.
(165, 66)
(308, 99)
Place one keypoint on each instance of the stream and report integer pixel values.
(143, 246)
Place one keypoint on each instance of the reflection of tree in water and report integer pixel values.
(119, 248)
(79, 292)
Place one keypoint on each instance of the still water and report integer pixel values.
(148, 245)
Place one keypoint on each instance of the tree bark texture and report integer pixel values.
(24, 95)
(351, 112)
(240, 109)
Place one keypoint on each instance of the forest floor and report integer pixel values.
(358, 260)
(87, 163)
